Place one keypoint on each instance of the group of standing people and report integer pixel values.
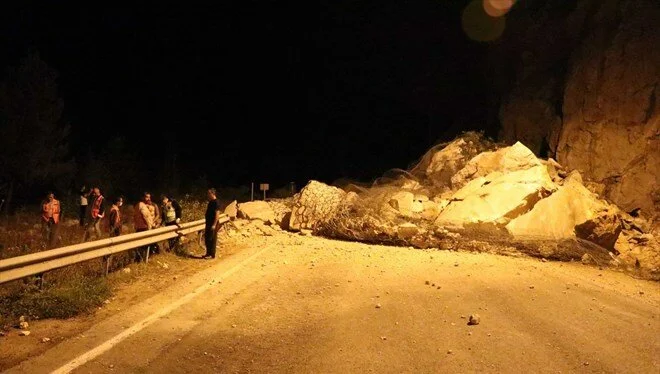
(93, 209)
(90, 215)
(147, 216)
(94, 212)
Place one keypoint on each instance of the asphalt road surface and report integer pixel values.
(295, 304)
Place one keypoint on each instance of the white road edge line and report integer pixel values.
(107, 345)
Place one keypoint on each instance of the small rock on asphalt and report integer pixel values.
(474, 319)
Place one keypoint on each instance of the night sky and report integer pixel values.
(261, 91)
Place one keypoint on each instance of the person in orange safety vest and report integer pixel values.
(96, 212)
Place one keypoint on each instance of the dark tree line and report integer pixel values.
(36, 152)
(34, 147)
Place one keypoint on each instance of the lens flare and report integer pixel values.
(496, 11)
(479, 25)
(504, 5)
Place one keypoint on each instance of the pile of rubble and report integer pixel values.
(475, 196)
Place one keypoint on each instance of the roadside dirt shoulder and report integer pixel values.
(130, 285)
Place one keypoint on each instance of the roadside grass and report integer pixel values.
(79, 288)
(64, 300)
(61, 293)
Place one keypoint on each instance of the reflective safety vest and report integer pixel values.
(96, 207)
(51, 209)
(170, 213)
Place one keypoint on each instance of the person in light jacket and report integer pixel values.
(143, 221)
(171, 215)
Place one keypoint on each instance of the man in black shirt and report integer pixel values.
(211, 230)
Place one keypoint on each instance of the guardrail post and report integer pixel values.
(40, 280)
(107, 260)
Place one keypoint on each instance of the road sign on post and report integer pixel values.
(264, 187)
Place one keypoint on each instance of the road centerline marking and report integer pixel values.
(108, 344)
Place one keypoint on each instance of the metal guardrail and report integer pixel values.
(38, 263)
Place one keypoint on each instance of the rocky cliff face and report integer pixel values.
(581, 83)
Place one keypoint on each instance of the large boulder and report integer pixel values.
(231, 210)
(637, 250)
(282, 210)
(402, 201)
(504, 160)
(602, 229)
(572, 211)
(315, 204)
(431, 210)
(496, 198)
(441, 163)
(257, 209)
